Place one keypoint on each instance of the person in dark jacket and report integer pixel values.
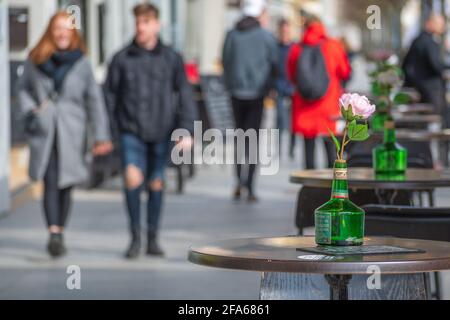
(284, 88)
(250, 58)
(424, 66)
(149, 96)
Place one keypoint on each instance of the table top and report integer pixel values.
(405, 118)
(283, 254)
(418, 135)
(416, 118)
(410, 135)
(415, 108)
(365, 178)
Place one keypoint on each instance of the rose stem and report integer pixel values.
(344, 142)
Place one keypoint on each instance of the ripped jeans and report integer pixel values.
(144, 166)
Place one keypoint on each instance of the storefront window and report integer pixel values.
(18, 28)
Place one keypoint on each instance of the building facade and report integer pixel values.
(106, 24)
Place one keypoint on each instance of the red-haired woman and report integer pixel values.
(59, 97)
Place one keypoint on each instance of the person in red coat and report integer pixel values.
(313, 118)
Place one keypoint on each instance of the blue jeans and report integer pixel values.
(151, 160)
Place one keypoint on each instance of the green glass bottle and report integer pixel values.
(378, 121)
(339, 222)
(389, 158)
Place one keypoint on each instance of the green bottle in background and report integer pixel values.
(378, 121)
(339, 222)
(389, 158)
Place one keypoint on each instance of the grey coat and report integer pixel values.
(250, 59)
(80, 102)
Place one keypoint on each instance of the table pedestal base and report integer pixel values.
(293, 286)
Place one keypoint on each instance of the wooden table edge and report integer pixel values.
(367, 185)
(340, 268)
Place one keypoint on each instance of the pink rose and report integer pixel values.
(346, 100)
(361, 106)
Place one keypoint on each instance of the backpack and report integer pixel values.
(312, 79)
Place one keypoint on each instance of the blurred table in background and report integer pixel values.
(417, 108)
(407, 120)
(386, 188)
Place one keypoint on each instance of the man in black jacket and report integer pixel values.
(424, 66)
(149, 96)
(250, 59)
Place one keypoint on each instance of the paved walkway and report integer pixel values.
(97, 237)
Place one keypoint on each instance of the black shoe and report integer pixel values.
(56, 246)
(237, 194)
(153, 248)
(135, 246)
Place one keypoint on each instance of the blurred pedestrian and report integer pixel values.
(424, 66)
(315, 110)
(250, 58)
(149, 96)
(351, 55)
(284, 88)
(59, 98)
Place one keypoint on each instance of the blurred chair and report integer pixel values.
(409, 222)
(360, 154)
(308, 200)
(419, 154)
(420, 157)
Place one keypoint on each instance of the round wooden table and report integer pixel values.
(290, 271)
(365, 178)
(386, 189)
